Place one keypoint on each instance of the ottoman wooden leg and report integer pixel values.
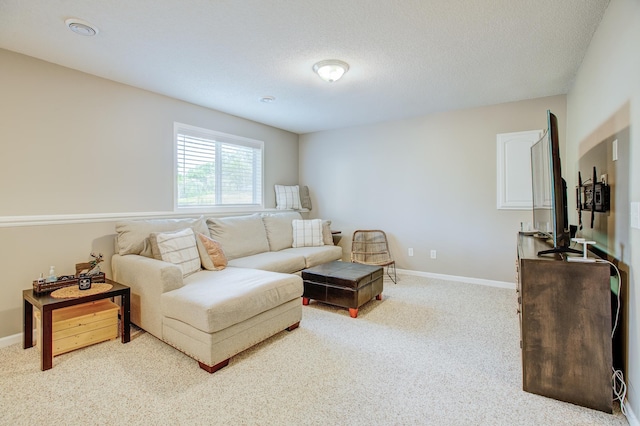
(379, 297)
(305, 301)
(353, 312)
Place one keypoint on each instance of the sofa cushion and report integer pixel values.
(307, 233)
(211, 254)
(287, 197)
(275, 261)
(239, 236)
(180, 249)
(317, 255)
(132, 235)
(279, 229)
(212, 301)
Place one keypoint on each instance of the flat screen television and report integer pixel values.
(550, 216)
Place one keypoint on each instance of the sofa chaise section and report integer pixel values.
(245, 307)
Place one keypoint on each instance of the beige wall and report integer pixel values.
(605, 99)
(429, 183)
(77, 145)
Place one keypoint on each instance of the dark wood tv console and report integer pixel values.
(565, 327)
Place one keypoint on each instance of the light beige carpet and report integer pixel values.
(430, 353)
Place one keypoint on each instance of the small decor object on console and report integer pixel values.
(95, 264)
(84, 282)
(52, 278)
(90, 270)
(585, 249)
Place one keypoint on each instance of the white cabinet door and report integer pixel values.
(514, 169)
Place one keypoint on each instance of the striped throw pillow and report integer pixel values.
(307, 233)
(180, 249)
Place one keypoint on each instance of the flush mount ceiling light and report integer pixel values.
(267, 99)
(331, 70)
(81, 27)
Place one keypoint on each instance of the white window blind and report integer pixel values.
(216, 169)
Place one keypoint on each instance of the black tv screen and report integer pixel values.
(549, 189)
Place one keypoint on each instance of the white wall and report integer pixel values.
(77, 145)
(605, 98)
(428, 182)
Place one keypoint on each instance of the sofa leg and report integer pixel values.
(305, 301)
(379, 297)
(214, 368)
(353, 312)
(293, 326)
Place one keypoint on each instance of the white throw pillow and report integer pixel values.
(287, 197)
(180, 249)
(307, 233)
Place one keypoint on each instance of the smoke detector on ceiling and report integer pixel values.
(81, 27)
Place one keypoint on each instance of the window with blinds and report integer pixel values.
(216, 169)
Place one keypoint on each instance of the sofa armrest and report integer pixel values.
(148, 279)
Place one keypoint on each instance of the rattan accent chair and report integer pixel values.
(371, 247)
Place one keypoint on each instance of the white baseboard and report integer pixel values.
(631, 417)
(480, 281)
(10, 340)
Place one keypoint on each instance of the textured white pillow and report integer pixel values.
(180, 249)
(287, 197)
(307, 233)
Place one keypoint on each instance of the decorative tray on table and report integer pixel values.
(40, 287)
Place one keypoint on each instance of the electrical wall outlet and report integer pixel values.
(433, 254)
(410, 252)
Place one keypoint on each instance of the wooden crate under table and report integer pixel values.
(82, 325)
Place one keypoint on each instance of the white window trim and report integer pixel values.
(222, 137)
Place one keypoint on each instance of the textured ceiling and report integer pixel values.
(407, 57)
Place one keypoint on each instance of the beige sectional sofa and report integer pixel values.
(212, 315)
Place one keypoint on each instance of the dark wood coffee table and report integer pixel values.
(344, 284)
(47, 304)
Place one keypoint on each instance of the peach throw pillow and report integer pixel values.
(211, 255)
